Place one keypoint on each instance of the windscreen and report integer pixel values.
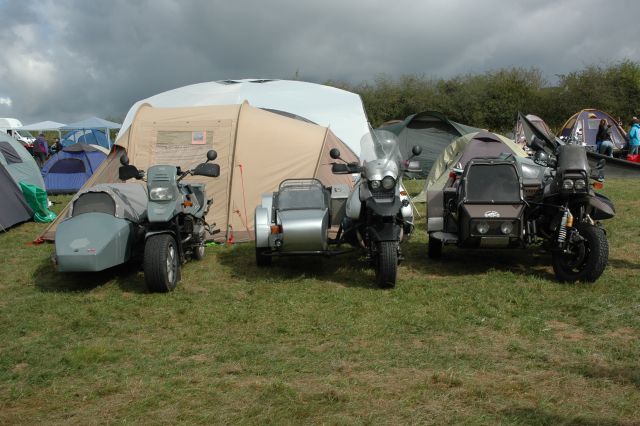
(303, 194)
(489, 183)
(380, 145)
(94, 202)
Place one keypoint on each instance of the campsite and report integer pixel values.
(336, 213)
(315, 341)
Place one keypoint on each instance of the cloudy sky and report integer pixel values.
(65, 60)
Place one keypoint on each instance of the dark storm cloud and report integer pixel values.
(65, 60)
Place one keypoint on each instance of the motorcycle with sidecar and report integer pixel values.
(374, 215)
(161, 223)
(509, 201)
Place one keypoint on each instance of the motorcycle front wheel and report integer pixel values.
(161, 263)
(586, 259)
(387, 264)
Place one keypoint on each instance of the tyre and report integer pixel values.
(587, 259)
(198, 253)
(262, 259)
(161, 263)
(387, 264)
(435, 248)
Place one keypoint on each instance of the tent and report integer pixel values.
(42, 126)
(66, 171)
(86, 136)
(458, 154)
(257, 149)
(432, 130)
(16, 165)
(90, 129)
(583, 127)
(341, 111)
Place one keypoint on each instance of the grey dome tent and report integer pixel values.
(432, 130)
(16, 165)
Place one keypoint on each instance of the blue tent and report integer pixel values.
(93, 130)
(69, 169)
(86, 136)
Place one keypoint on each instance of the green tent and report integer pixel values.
(432, 130)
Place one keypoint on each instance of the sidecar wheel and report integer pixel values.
(588, 260)
(161, 263)
(262, 259)
(198, 253)
(387, 264)
(435, 248)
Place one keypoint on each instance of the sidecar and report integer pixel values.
(104, 228)
(483, 205)
(296, 219)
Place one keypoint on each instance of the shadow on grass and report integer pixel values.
(528, 415)
(349, 269)
(456, 261)
(623, 264)
(622, 375)
(126, 276)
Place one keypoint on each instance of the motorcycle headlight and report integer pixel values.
(375, 184)
(579, 184)
(482, 227)
(388, 182)
(160, 193)
(567, 184)
(506, 228)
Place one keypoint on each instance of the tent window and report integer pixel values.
(9, 153)
(68, 165)
(94, 202)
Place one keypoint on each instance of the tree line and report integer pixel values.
(493, 99)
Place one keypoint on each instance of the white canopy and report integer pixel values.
(337, 109)
(43, 125)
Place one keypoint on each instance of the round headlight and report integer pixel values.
(388, 182)
(482, 227)
(567, 184)
(579, 184)
(375, 184)
(506, 228)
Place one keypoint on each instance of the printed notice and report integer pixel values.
(198, 138)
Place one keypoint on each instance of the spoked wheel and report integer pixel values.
(161, 263)
(262, 259)
(587, 255)
(435, 248)
(387, 264)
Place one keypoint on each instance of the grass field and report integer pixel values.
(476, 338)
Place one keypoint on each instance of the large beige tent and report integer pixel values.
(256, 149)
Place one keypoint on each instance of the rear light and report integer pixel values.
(276, 229)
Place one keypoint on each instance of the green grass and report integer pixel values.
(476, 338)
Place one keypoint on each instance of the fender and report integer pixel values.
(384, 209)
(387, 231)
(602, 207)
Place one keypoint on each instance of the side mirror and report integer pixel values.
(207, 169)
(340, 169)
(212, 155)
(416, 150)
(127, 171)
(334, 153)
(541, 158)
(124, 160)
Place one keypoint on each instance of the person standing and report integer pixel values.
(41, 148)
(634, 136)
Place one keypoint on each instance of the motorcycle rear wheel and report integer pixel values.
(588, 258)
(387, 264)
(161, 263)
